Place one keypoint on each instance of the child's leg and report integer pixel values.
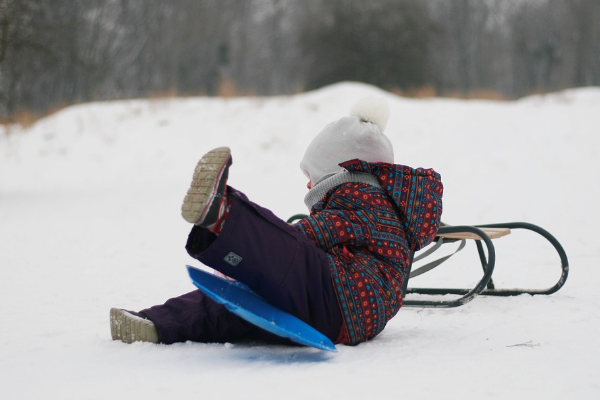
(275, 260)
(196, 317)
(254, 247)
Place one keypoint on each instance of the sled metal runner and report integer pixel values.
(487, 256)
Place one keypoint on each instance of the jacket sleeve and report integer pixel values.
(421, 205)
(330, 228)
(416, 193)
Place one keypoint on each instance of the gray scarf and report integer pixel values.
(330, 181)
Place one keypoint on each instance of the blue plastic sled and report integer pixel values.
(245, 303)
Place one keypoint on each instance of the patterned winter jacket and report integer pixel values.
(368, 220)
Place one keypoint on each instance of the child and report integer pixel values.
(341, 269)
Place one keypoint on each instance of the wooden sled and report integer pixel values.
(482, 235)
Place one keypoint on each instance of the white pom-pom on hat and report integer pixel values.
(372, 109)
(359, 135)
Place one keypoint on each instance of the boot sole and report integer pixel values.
(199, 203)
(129, 328)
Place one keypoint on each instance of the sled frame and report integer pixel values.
(487, 256)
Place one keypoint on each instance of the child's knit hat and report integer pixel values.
(358, 136)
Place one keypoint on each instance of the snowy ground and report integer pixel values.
(89, 219)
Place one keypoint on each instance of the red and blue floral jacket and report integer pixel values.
(369, 231)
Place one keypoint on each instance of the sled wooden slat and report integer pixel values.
(493, 233)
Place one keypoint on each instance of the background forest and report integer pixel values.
(59, 52)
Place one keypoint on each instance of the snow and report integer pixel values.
(89, 219)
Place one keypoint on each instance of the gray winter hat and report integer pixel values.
(359, 135)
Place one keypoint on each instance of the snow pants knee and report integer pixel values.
(273, 258)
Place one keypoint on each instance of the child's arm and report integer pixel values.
(330, 228)
(417, 194)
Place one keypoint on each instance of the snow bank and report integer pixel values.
(89, 217)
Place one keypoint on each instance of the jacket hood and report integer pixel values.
(416, 194)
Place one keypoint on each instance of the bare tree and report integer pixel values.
(382, 42)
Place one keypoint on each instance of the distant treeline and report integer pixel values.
(59, 52)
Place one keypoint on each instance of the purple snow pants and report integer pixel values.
(277, 261)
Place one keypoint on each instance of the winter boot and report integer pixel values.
(129, 327)
(205, 200)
